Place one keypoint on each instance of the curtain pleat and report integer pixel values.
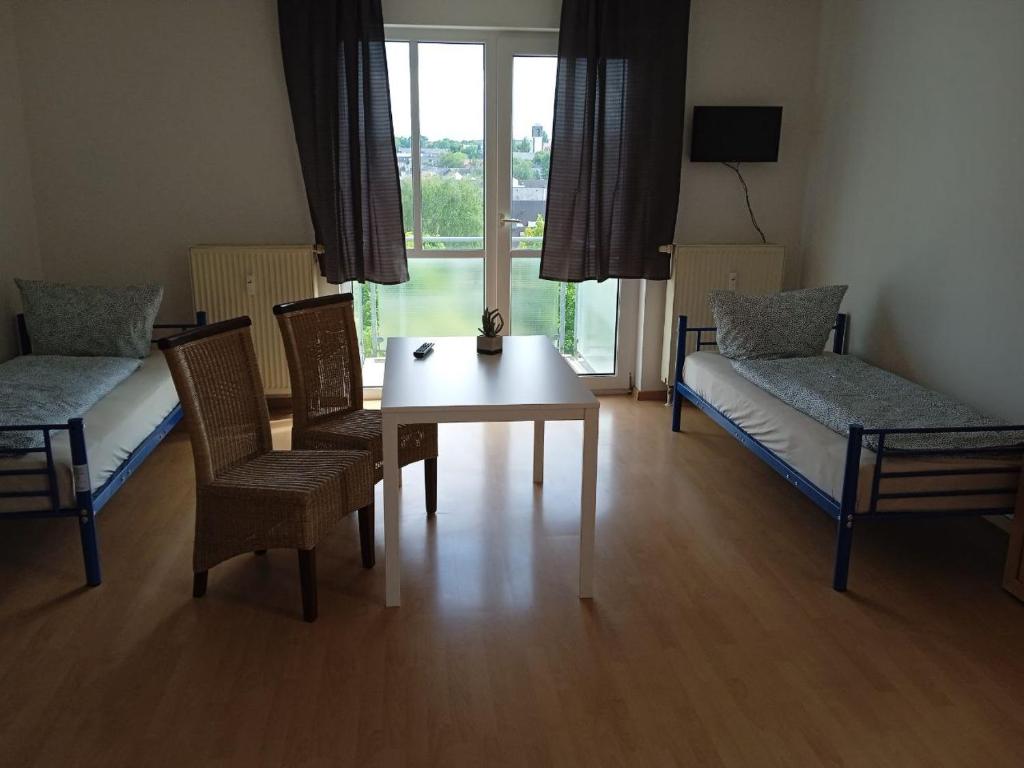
(337, 77)
(616, 144)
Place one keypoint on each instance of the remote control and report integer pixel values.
(423, 350)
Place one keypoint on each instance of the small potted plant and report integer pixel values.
(489, 342)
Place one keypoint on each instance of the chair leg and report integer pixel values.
(366, 543)
(307, 578)
(430, 484)
(199, 579)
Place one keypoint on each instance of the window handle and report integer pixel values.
(507, 220)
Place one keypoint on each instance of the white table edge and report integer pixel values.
(444, 414)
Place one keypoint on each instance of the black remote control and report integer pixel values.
(423, 350)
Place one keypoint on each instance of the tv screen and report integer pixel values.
(735, 134)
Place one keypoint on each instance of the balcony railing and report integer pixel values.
(439, 243)
(444, 294)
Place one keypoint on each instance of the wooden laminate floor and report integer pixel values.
(714, 638)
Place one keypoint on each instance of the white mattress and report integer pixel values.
(808, 446)
(814, 450)
(114, 427)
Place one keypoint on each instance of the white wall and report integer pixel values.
(19, 255)
(154, 126)
(916, 198)
(744, 53)
(532, 14)
(161, 125)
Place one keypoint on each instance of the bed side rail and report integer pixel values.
(959, 481)
(838, 339)
(51, 491)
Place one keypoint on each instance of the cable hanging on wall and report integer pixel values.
(746, 193)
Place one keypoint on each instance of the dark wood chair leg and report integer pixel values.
(430, 484)
(259, 552)
(366, 543)
(199, 583)
(307, 578)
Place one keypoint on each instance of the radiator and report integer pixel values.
(233, 280)
(699, 269)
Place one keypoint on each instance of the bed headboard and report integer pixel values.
(839, 339)
(24, 343)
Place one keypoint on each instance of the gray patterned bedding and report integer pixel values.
(50, 389)
(839, 390)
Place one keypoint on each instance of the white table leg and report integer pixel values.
(392, 559)
(538, 451)
(588, 503)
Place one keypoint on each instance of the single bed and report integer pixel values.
(841, 474)
(83, 462)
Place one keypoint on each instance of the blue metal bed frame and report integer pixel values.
(844, 510)
(88, 502)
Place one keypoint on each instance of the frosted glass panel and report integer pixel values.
(444, 297)
(579, 318)
(537, 305)
(596, 315)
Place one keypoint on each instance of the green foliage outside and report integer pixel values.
(569, 344)
(534, 230)
(450, 208)
(523, 169)
(541, 163)
(454, 159)
(474, 150)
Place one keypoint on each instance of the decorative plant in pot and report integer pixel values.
(491, 323)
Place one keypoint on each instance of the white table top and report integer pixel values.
(528, 373)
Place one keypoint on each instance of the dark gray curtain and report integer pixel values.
(337, 79)
(616, 145)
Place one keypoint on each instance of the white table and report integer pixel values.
(529, 381)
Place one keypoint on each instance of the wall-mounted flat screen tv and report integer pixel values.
(735, 134)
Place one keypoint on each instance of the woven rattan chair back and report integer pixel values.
(322, 348)
(215, 372)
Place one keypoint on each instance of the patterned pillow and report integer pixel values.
(89, 321)
(788, 324)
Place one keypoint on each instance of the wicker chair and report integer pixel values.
(249, 497)
(327, 390)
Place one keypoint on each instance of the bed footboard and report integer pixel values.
(969, 482)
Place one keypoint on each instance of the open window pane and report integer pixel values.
(451, 101)
(533, 100)
(399, 83)
(580, 318)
